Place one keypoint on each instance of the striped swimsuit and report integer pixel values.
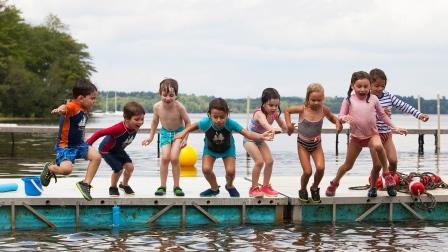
(309, 134)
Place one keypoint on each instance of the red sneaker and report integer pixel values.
(331, 189)
(255, 192)
(268, 191)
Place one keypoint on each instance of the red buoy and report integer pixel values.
(416, 188)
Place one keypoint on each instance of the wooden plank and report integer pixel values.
(369, 211)
(160, 213)
(13, 216)
(418, 216)
(39, 216)
(204, 212)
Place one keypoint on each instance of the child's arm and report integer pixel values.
(114, 130)
(59, 110)
(292, 110)
(261, 118)
(343, 113)
(332, 118)
(407, 108)
(184, 133)
(383, 116)
(281, 123)
(153, 129)
(186, 119)
(267, 135)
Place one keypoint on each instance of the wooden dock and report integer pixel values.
(61, 205)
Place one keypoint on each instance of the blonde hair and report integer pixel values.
(313, 87)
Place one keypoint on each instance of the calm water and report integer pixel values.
(31, 151)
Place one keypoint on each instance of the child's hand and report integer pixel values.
(267, 136)
(181, 135)
(347, 119)
(339, 126)
(423, 117)
(290, 127)
(387, 111)
(59, 110)
(147, 141)
(401, 131)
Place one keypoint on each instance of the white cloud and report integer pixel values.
(235, 48)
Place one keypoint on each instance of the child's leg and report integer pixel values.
(94, 158)
(229, 165)
(376, 168)
(319, 163)
(128, 169)
(376, 146)
(391, 154)
(268, 163)
(255, 153)
(114, 178)
(174, 159)
(164, 162)
(304, 157)
(64, 168)
(207, 169)
(353, 151)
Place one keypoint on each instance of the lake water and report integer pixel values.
(31, 151)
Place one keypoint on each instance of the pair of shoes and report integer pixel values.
(390, 184)
(84, 188)
(233, 192)
(372, 192)
(113, 191)
(268, 191)
(315, 195)
(126, 188)
(160, 191)
(209, 193)
(178, 191)
(46, 175)
(331, 189)
(255, 192)
(303, 196)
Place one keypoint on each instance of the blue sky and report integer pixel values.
(237, 48)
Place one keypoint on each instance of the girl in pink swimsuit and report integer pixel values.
(361, 109)
(262, 121)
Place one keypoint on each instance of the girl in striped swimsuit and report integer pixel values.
(311, 116)
(387, 101)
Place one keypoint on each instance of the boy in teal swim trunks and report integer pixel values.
(174, 118)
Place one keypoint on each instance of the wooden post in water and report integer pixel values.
(438, 127)
(421, 140)
(247, 117)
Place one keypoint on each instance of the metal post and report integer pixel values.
(247, 117)
(421, 142)
(337, 144)
(438, 126)
(158, 144)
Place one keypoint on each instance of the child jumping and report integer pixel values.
(219, 143)
(174, 118)
(311, 117)
(118, 137)
(71, 145)
(261, 122)
(387, 101)
(360, 110)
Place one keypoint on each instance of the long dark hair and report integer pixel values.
(358, 76)
(268, 94)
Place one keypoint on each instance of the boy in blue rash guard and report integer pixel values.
(219, 143)
(118, 137)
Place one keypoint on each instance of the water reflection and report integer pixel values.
(427, 236)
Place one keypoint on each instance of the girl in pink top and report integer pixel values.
(262, 121)
(360, 110)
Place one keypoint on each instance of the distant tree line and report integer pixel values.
(199, 104)
(38, 64)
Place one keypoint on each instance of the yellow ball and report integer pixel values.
(188, 156)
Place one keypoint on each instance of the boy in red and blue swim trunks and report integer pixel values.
(71, 145)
